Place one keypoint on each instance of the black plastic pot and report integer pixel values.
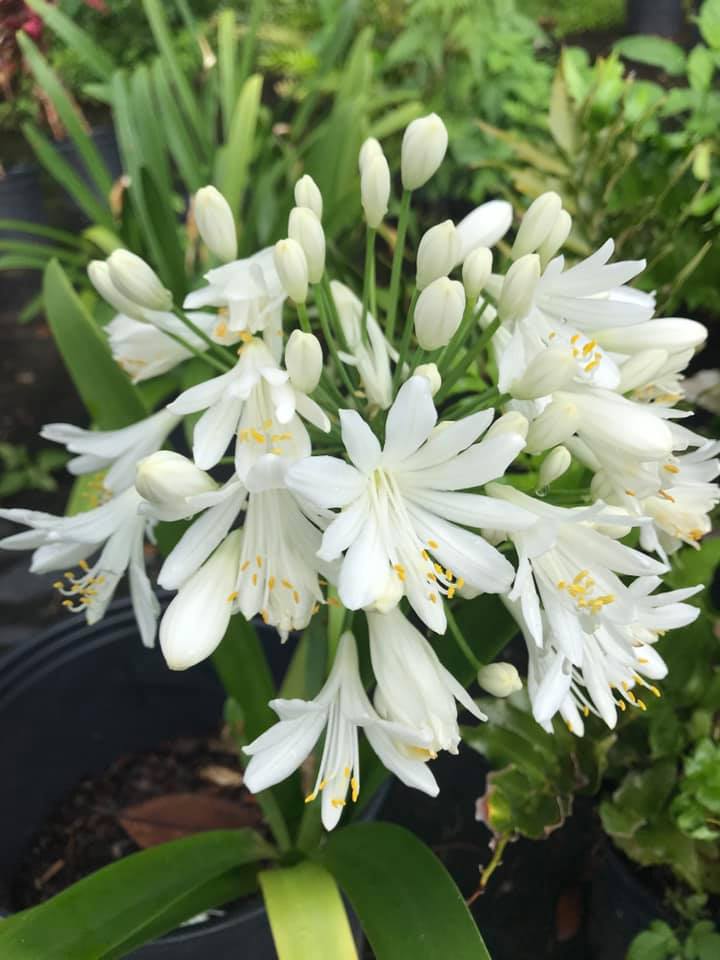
(664, 18)
(64, 209)
(73, 701)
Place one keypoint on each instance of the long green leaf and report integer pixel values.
(407, 903)
(40, 230)
(68, 113)
(307, 915)
(180, 141)
(164, 233)
(91, 919)
(227, 56)
(234, 159)
(243, 669)
(153, 146)
(92, 55)
(110, 398)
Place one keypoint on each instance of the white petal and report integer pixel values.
(325, 481)
(449, 439)
(360, 442)
(214, 431)
(410, 421)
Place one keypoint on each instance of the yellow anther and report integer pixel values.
(666, 496)
(425, 555)
(589, 367)
(287, 584)
(589, 347)
(257, 436)
(574, 338)
(243, 436)
(621, 704)
(311, 796)
(642, 705)
(337, 802)
(245, 336)
(265, 616)
(432, 597)
(346, 772)
(271, 583)
(254, 579)
(296, 596)
(581, 576)
(450, 593)
(355, 787)
(231, 597)
(449, 575)
(433, 544)
(459, 583)
(267, 424)
(84, 566)
(244, 566)
(586, 710)
(561, 584)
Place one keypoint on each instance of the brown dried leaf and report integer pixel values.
(221, 776)
(177, 815)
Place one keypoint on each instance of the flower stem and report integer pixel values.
(405, 341)
(469, 358)
(332, 347)
(468, 321)
(217, 350)
(329, 301)
(368, 279)
(397, 265)
(200, 354)
(303, 318)
(460, 639)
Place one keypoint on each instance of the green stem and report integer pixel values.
(460, 639)
(469, 358)
(200, 354)
(396, 272)
(331, 307)
(405, 341)
(218, 351)
(332, 347)
(368, 278)
(468, 321)
(303, 318)
(479, 401)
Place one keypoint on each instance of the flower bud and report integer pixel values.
(499, 679)
(518, 287)
(423, 148)
(99, 275)
(303, 360)
(215, 223)
(307, 194)
(641, 369)
(166, 479)
(484, 226)
(137, 281)
(536, 224)
(431, 374)
(292, 269)
(438, 312)
(511, 422)
(550, 370)
(437, 254)
(554, 466)
(375, 189)
(476, 271)
(556, 238)
(667, 333)
(555, 425)
(305, 228)
(368, 151)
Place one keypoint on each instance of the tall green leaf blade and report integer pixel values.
(407, 903)
(92, 55)
(150, 132)
(165, 240)
(307, 915)
(227, 57)
(180, 142)
(110, 398)
(91, 919)
(234, 160)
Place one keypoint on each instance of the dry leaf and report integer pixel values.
(177, 815)
(221, 776)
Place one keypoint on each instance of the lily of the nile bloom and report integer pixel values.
(255, 401)
(249, 296)
(145, 350)
(400, 514)
(116, 451)
(413, 687)
(570, 570)
(619, 664)
(371, 358)
(340, 708)
(116, 529)
(484, 226)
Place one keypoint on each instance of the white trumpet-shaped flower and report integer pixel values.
(116, 451)
(400, 512)
(413, 687)
(372, 359)
(116, 530)
(340, 708)
(256, 402)
(145, 351)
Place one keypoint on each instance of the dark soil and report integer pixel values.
(85, 833)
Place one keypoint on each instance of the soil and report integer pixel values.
(185, 786)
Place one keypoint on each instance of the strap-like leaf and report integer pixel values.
(307, 915)
(407, 903)
(234, 158)
(92, 55)
(134, 899)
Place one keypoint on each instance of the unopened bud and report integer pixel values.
(423, 149)
(666, 333)
(641, 369)
(303, 360)
(215, 223)
(518, 287)
(166, 479)
(555, 425)
(437, 254)
(368, 151)
(137, 281)
(305, 228)
(292, 269)
(476, 271)
(431, 374)
(555, 464)
(438, 312)
(375, 189)
(550, 370)
(511, 422)
(307, 194)
(499, 679)
(99, 275)
(484, 226)
(537, 223)
(554, 241)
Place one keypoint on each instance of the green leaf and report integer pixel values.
(563, 125)
(181, 143)
(227, 58)
(700, 68)
(108, 395)
(94, 917)
(655, 51)
(657, 943)
(407, 903)
(233, 160)
(92, 55)
(307, 915)
(709, 23)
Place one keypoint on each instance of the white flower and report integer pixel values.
(307, 194)
(167, 480)
(116, 529)
(196, 619)
(499, 679)
(437, 253)
(372, 359)
(438, 313)
(518, 288)
(137, 281)
(340, 708)
(423, 150)
(116, 451)
(537, 224)
(369, 150)
(215, 222)
(484, 226)
(305, 228)
(304, 360)
(144, 351)
(413, 687)
(375, 189)
(476, 271)
(399, 505)
(555, 464)
(292, 268)
(99, 275)
(248, 291)
(431, 374)
(556, 238)
(254, 400)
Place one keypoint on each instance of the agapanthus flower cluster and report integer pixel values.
(395, 457)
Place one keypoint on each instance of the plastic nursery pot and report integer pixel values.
(64, 207)
(21, 199)
(73, 701)
(664, 18)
